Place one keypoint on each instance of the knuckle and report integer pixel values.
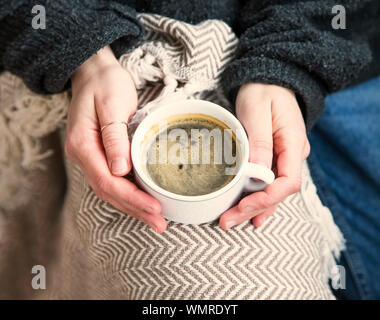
(262, 200)
(112, 138)
(102, 187)
(295, 185)
(108, 102)
(73, 143)
(131, 197)
(260, 144)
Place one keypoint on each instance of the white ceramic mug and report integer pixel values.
(202, 208)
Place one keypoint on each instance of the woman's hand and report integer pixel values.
(104, 94)
(277, 139)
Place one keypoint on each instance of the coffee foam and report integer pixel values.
(182, 177)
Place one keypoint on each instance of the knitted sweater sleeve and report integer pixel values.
(292, 44)
(75, 30)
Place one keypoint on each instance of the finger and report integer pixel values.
(125, 196)
(111, 114)
(259, 220)
(233, 217)
(118, 191)
(289, 166)
(157, 222)
(257, 121)
(125, 192)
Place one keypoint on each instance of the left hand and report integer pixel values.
(277, 139)
(104, 94)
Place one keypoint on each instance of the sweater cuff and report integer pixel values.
(310, 95)
(48, 57)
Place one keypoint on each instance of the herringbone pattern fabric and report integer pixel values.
(282, 260)
(204, 48)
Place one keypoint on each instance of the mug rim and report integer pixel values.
(175, 196)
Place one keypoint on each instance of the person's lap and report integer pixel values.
(283, 259)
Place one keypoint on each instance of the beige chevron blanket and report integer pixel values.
(49, 215)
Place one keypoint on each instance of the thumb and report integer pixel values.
(113, 123)
(257, 121)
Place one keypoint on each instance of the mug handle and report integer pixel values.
(260, 172)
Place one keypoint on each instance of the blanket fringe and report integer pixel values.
(334, 241)
(25, 118)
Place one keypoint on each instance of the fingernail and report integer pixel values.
(149, 210)
(261, 222)
(119, 166)
(230, 224)
(154, 228)
(248, 209)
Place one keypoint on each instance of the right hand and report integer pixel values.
(277, 137)
(103, 92)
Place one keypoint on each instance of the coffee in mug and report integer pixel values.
(192, 155)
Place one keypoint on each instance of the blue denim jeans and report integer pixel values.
(345, 166)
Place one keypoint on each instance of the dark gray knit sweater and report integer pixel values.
(283, 42)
